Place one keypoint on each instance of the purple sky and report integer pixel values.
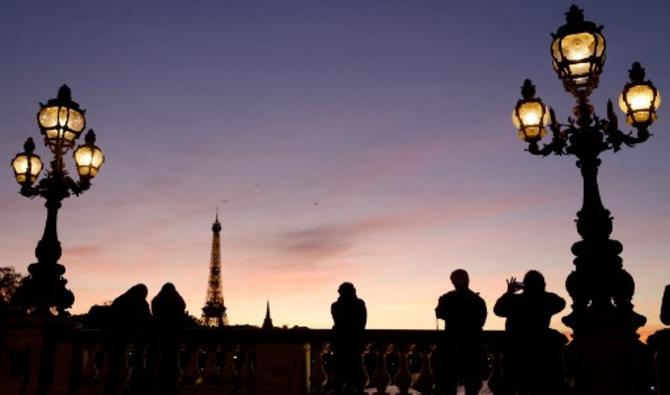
(393, 115)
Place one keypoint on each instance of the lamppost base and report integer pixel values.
(43, 292)
(602, 365)
(606, 356)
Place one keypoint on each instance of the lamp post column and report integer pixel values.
(606, 356)
(61, 121)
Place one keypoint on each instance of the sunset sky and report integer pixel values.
(362, 141)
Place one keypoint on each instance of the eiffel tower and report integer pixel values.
(214, 311)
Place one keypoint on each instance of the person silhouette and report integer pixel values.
(460, 354)
(532, 352)
(169, 316)
(168, 308)
(349, 317)
(130, 311)
(665, 306)
(130, 317)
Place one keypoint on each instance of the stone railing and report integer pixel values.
(256, 361)
(55, 357)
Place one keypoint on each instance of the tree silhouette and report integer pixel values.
(10, 280)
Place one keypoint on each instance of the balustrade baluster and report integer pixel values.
(187, 366)
(392, 363)
(201, 357)
(402, 377)
(135, 367)
(318, 376)
(492, 374)
(91, 368)
(414, 362)
(238, 364)
(370, 365)
(328, 358)
(379, 378)
(228, 374)
(425, 380)
(219, 360)
(209, 374)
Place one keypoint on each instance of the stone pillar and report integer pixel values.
(603, 366)
(36, 356)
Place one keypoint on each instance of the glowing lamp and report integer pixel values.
(26, 165)
(530, 116)
(640, 99)
(61, 120)
(578, 53)
(88, 157)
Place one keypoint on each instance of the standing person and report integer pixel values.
(130, 311)
(532, 352)
(169, 316)
(349, 317)
(460, 355)
(129, 319)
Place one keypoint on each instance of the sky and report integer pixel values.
(363, 141)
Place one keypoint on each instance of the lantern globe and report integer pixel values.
(639, 99)
(88, 157)
(530, 116)
(578, 53)
(27, 165)
(61, 120)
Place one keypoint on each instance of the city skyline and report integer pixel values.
(369, 143)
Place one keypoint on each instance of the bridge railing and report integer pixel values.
(36, 356)
(40, 356)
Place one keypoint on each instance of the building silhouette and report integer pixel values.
(214, 311)
(267, 322)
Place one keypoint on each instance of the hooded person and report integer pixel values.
(349, 318)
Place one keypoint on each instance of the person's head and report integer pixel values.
(347, 290)
(533, 282)
(168, 288)
(139, 291)
(460, 279)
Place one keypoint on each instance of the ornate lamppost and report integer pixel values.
(61, 121)
(602, 318)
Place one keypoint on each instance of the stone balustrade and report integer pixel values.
(55, 357)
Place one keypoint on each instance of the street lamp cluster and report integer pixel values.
(578, 57)
(61, 121)
(602, 317)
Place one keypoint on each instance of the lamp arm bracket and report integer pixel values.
(79, 187)
(29, 191)
(616, 137)
(556, 147)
